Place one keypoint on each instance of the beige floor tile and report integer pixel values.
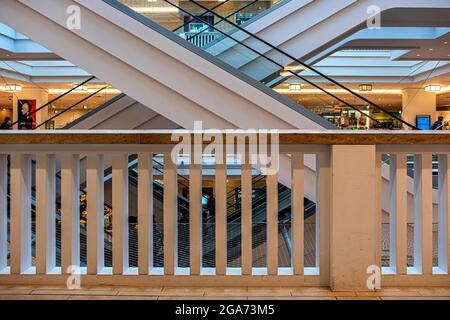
(415, 298)
(225, 291)
(357, 298)
(223, 298)
(291, 298)
(76, 292)
(139, 297)
(34, 297)
(146, 291)
(180, 297)
(433, 292)
(174, 291)
(391, 292)
(269, 292)
(15, 291)
(313, 292)
(5, 286)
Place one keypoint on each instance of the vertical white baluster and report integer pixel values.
(444, 213)
(170, 216)
(3, 211)
(397, 217)
(423, 213)
(378, 208)
(95, 213)
(45, 213)
(145, 213)
(297, 222)
(272, 224)
(20, 213)
(195, 216)
(221, 217)
(120, 213)
(70, 212)
(323, 215)
(246, 219)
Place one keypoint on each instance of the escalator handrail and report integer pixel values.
(55, 99)
(300, 62)
(126, 10)
(202, 15)
(92, 112)
(279, 65)
(228, 16)
(70, 107)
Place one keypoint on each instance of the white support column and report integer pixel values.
(272, 224)
(3, 211)
(70, 212)
(120, 213)
(95, 213)
(20, 243)
(323, 216)
(427, 214)
(397, 217)
(195, 217)
(444, 213)
(423, 214)
(353, 216)
(145, 213)
(297, 222)
(246, 219)
(45, 213)
(170, 216)
(221, 218)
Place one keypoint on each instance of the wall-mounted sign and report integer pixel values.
(26, 115)
(423, 122)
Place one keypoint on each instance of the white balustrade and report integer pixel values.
(353, 193)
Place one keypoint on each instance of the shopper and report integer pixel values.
(6, 124)
(438, 124)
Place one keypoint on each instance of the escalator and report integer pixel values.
(157, 68)
(256, 47)
(309, 27)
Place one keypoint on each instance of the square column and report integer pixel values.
(354, 216)
(418, 102)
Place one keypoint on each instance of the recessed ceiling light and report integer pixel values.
(365, 87)
(433, 88)
(12, 88)
(295, 87)
(418, 55)
(431, 49)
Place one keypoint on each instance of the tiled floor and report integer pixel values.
(216, 293)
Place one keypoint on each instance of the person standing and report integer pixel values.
(6, 124)
(437, 125)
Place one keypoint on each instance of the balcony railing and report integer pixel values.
(200, 39)
(368, 212)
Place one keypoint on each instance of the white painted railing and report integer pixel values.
(200, 39)
(351, 182)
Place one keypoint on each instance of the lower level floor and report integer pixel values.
(54, 292)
